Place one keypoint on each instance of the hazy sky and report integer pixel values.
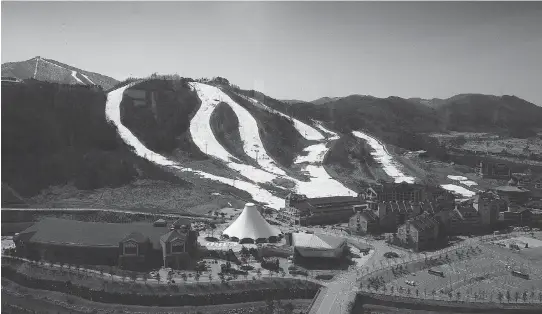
(295, 50)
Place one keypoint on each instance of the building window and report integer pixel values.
(177, 247)
(130, 248)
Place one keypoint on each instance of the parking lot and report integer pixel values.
(485, 275)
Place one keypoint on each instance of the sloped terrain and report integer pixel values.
(48, 70)
(225, 126)
(52, 134)
(279, 135)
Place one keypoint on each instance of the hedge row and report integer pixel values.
(133, 298)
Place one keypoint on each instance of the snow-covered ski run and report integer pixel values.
(307, 131)
(202, 134)
(89, 80)
(248, 128)
(113, 116)
(74, 75)
(382, 156)
(391, 168)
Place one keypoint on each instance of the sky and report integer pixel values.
(294, 50)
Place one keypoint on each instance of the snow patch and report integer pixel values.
(458, 189)
(74, 74)
(457, 178)
(463, 180)
(86, 77)
(384, 158)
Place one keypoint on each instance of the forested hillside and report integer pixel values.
(54, 134)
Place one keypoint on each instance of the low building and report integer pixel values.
(467, 221)
(135, 246)
(489, 204)
(404, 192)
(528, 181)
(304, 211)
(516, 217)
(310, 245)
(491, 170)
(364, 222)
(419, 233)
(514, 196)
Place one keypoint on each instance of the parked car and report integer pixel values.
(410, 283)
(391, 255)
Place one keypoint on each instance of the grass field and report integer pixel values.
(147, 195)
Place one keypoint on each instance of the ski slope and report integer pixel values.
(320, 182)
(74, 75)
(112, 111)
(384, 158)
(91, 82)
(333, 135)
(382, 155)
(307, 131)
(203, 137)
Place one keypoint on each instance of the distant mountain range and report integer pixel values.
(53, 71)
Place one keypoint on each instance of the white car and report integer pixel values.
(410, 283)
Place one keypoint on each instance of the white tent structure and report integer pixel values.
(251, 225)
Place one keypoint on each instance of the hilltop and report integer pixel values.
(55, 72)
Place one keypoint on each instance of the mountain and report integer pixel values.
(53, 71)
(214, 140)
(292, 101)
(324, 100)
(485, 113)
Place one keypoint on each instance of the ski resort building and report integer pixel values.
(136, 246)
(309, 245)
(300, 210)
(490, 170)
(251, 227)
(419, 233)
(514, 196)
(364, 222)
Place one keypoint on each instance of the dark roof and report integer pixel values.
(182, 222)
(403, 186)
(81, 233)
(332, 200)
(173, 235)
(508, 188)
(467, 210)
(368, 215)
(423, 221)
(325, 202)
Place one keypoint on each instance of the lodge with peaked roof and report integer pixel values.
(135, 246)
(364, 222)
(304, 211)
(419, 233)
